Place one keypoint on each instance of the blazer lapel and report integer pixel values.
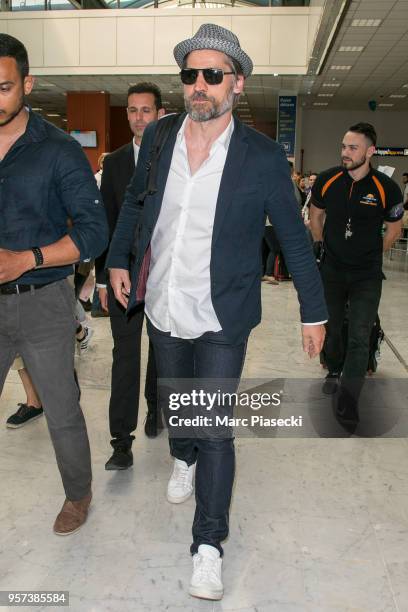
(130, 161)
(233, 168)
(164, 165)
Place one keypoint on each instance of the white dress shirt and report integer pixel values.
(98, 178)
(178, 291)
(136, 150)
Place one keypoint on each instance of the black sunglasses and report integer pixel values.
(212, 76)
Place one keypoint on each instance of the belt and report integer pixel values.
(16, 289)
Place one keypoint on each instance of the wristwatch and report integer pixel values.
(38, 256)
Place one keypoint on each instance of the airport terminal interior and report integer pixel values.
(319, 520)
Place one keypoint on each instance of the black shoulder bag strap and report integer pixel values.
(164, 127)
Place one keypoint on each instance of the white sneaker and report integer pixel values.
(181, 483)
(206, 580)
(83, 345)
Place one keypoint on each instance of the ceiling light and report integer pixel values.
(351, 49)
(371, 23)
(276, 74)
(320, 103)
(337, 67)
(170, 92)
(331, 85)
(406, 85)
(398, 95)
(36, 109)
(47, 84)
(384, 104)
(53, 115)
(324, 95)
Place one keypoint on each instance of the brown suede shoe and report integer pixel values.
(72, 516)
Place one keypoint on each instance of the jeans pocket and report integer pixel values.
(67, 297)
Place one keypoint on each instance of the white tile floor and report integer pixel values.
(317, 525)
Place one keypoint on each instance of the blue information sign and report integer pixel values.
(287, 124)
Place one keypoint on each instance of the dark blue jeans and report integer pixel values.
(208, 357)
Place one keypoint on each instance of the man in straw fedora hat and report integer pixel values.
(199, 241)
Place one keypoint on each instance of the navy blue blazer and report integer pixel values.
(255, 182)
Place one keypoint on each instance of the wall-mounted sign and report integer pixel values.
(86, 138)
(391, 152)
(286, 127)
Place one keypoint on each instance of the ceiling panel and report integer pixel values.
(379, 70)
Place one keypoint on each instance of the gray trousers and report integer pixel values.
(40, 326)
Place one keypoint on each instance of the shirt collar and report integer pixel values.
(35, 130)
(223, 139)
(367, 176)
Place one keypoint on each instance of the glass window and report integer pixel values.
(28, 5)
(41, 5)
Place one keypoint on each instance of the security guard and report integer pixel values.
(350, 205)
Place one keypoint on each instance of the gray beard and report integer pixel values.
(201, 114)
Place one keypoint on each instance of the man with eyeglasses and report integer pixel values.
(200, 241)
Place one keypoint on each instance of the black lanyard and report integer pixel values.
(349, 232)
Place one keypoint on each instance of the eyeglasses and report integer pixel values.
(212, 76)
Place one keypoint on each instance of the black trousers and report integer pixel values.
(274, 248)
(363, 297)
(125, 382)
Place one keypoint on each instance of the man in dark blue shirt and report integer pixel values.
(50, 216)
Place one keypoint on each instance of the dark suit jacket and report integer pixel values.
(255, 182)
(118, 169)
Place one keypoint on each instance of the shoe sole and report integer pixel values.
(178, 500)
(203, 594)
(117, 469)
(67, 533)
(11, 426)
